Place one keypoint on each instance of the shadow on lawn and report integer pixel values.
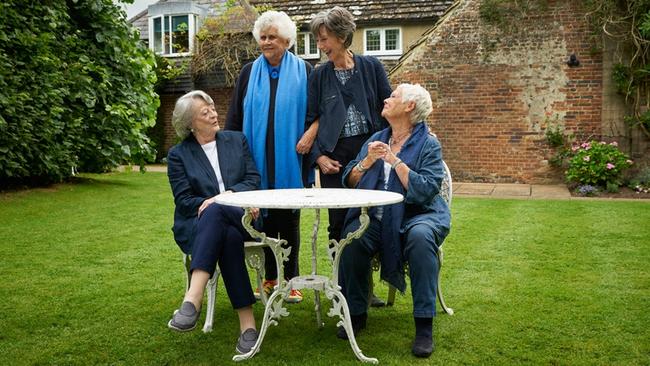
(36, 184)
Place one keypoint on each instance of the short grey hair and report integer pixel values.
(184, 111)
(422, 99)
(336, 20)
(278, 19)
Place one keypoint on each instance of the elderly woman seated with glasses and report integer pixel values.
(209, 162)
(406, 159)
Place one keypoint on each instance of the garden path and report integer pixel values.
(491, 190)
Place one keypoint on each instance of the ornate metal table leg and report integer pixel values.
(340, 309)
(281, 254)
(336, 248)
(272, 313)
(314, 267)
(272, 310)
(332, 290)
(255, 259)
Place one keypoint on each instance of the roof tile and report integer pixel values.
(364, 11)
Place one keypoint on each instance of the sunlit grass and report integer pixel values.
(90, 275)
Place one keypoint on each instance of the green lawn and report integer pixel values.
(90, 275)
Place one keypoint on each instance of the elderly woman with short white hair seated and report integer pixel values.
(406, 159)
(209, 162)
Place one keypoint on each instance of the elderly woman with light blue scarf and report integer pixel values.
(269, 105)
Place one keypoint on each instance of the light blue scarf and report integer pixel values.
(290, 110)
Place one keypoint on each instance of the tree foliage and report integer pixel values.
(76, 89)
(225, 42)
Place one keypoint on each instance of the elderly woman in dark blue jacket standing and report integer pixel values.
(209, 162)
(406, 159)
(347, 95)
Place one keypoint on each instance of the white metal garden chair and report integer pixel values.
(254, 252)
(446, 191)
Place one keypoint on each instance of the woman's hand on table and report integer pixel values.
(327, 165)
(255, 212)
(210, 201)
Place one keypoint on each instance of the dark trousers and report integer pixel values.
(220, 239)
(286, 225)
(420, 245)
(345, 151)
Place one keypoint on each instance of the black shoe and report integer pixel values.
(246, 341)
(376, 302)
(185, 318)
(358, 323)
(422, 346)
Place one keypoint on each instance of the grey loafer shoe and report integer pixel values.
(246, 341)
(185, 318)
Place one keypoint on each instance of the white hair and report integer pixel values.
(278, 19)
(422, 99)
(184, 111)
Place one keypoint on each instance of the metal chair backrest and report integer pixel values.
(446, 189)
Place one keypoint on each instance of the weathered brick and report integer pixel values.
(491, 107)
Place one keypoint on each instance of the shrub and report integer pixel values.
(555, 135)
(641, 181)
(76, 90)
(598, 164)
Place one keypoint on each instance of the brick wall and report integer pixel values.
(494, 91)
(221, 97)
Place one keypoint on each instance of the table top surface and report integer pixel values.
(309, 198)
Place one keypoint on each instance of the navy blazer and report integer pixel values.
(192, 178)
(325, 101)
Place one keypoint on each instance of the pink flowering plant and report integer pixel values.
(597, 163)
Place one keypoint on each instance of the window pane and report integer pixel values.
(313, 49)
(372, 40)
(166, 35)
(392, 39)
(300, 44)
(180, 34)
(157, 35)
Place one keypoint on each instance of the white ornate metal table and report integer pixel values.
(316, 198)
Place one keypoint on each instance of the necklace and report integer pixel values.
(398, 139)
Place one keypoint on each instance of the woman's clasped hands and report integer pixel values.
(380, 150)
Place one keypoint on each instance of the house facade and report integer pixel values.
(385, 29)
(496, 91)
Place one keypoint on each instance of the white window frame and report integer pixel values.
(306, 55)
(191, 25)
(382, 42)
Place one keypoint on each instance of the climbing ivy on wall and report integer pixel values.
(505, 16)
(628, 22)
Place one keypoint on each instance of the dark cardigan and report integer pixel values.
(325, 101)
